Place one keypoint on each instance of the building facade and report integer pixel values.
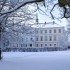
(41, 37)
(50, 35)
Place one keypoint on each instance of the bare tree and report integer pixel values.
(10, 9)
(11, 22)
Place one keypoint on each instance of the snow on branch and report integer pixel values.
(20, 5)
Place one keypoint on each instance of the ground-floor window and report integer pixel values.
(30, 45)
(26, 45)
(45, 44)
(36, 45)
(54, 44)
(50, 44)
(21, 45)
(41, 45)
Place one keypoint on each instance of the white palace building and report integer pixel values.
(42, 37)
(49, 35)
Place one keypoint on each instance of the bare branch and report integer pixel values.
(52, 10)
(20, 5)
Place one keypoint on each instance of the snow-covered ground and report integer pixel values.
(58, 60)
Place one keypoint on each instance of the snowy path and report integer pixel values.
(36, 61)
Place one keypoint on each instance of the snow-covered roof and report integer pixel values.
(46, 25)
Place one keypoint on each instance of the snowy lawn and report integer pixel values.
(58, 60)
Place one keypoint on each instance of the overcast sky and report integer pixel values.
(56, 12)
(44, 18)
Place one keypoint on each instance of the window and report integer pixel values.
(37, 39)
(50, 38)
(36, 45)
(26, 45)
(59, 30)
(41, 31)
(54, 44)
(50, 31)
(54, 30)
(45, 44)
(50, 44)
(41, 38)
(17, 45)
(45, 31)
(45, 38)
(41, 45)
(30, 45)
(21, 45)
(26, 39)
(36, 31)
(31, 39)
(55, 38)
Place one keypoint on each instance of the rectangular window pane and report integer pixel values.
(41, 38)
(55, 38)
(21, 45)
(36, 31)
(59, 30)
(37, 39)
(36, 45)
(50, 31)
(50, 38)
(54, 44)
(45, 31)
(54, 30)
(26, 45)
(41, 45)
(45, 38)
(45, 44)
(30, 45)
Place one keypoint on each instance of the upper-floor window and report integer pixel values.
(32, 39)
(17, 45)
(55, 38)
(45, 31)
(45, 38)
(36, 45)
(36, 31)
(37, 38)
(26, 45)
(21, 45)
(50, 31)
(41, 38)
(54, 30)
(41, 31)
(50, 38)
(27, 39)
(41, 45)
(59, 30)
(54, 44)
